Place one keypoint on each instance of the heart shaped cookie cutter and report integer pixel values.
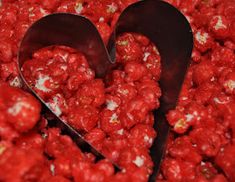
(163, 24)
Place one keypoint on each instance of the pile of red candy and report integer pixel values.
(115, 114)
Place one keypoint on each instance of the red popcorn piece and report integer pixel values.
(116, 77)
(203, 72)
(150, 91)
(177, 119)
(149, 84)
(75, 81)
(229, 44)
(219, 178)
(121, 177)
(6, 51)
(225, 160)
(135, 157)
(36, 12)
(22, 109)
(196, 113)
(223, 104)
(203, 40)
(232, 34)
(76, 61)
(196, 56)
(83, 118)
(125, 91)
(229, 83)
(57, 179)
(109, 121)
(111, 151)
(182, 148)
(206, 171)
(207, 142)
(141, 174)
(61, 167)
(81, 75)
(58, 104)
(112, 102)
(70, 6)
(203, 16)
(58, 71)
(128, 48)
(142, 39)
(227, 9)
(149, 119)
(6, 32)
(134, 71)
(21, 28)
(96, 137)
(16, 165)
(10, 12)
(189, 6)
(152, 63)
(100, 9)
(89, 172)
(142, 136)
(31, 140)
(7, 131)
(57, 145)
(51, 5)
(105, 167)
(119, 134)
(219, 25)
(45, 85)
(91, 93)
(7, 70)
(204, 92)
(134, 112)
(82, 171)
(15, 81)
(223, 56)
(178, 170)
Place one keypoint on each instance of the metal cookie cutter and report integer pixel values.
(163, 24)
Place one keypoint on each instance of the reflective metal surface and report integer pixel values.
(163, 24)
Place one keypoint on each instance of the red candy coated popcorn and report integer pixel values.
(115, 114)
